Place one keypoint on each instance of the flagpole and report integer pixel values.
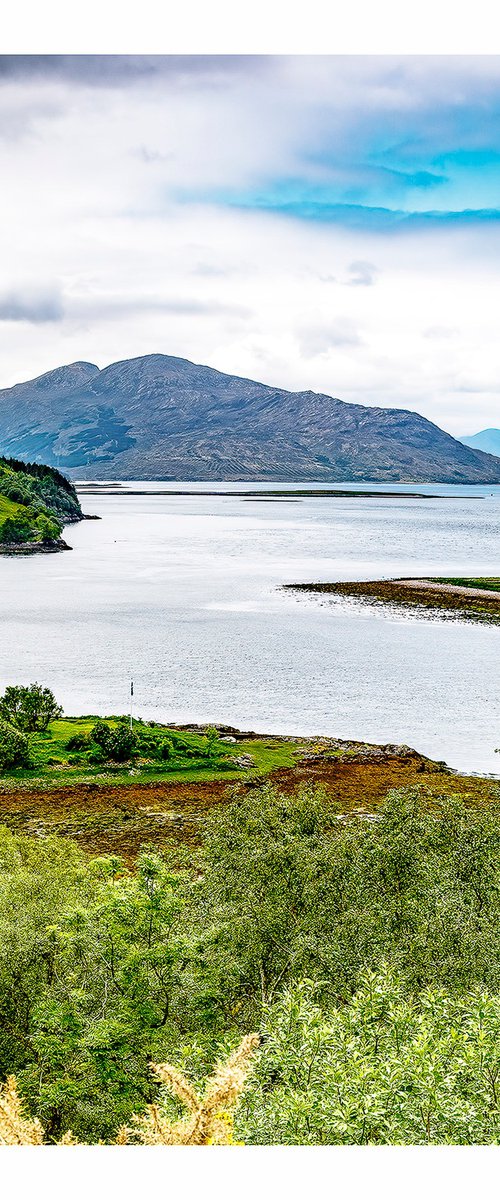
(131, 700)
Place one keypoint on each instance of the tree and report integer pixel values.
(48, 530)
(30, 708)
(291, 891)
(14, 747)
(386, 1069)
(212, 742)
(114, 1001)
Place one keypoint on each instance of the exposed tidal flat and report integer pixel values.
(466, 599)
(184, 592)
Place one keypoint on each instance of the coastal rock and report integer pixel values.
(244, 760)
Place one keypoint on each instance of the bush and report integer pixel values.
(211, 747)
(78, 741)
(15, 531)
(119, 743)
(96, 756)
(147, 743)
(48, 530)
(14, 747)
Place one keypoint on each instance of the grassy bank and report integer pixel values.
(64, 754)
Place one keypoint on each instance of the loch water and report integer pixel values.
(183, 593)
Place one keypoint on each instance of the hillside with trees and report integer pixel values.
(35, 503)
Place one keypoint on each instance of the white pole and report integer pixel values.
(131, 700)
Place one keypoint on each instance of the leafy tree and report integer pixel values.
(293, 890)
(387, 1068)
(30, 708)
(115, 992)
(15, 748)
(39, 878)
(104, 969)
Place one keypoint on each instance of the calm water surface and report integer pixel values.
(183, 591)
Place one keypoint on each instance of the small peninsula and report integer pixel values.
(36, 501)
(469, 599)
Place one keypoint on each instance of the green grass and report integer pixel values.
(55, 765)
(8, 508)
(489, 583)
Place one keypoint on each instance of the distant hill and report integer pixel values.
(35, 502)
(159, 417)
(488, 440)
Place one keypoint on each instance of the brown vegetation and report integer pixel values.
(104, 818)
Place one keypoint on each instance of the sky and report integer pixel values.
(330, 223)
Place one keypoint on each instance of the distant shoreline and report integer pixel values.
(103, 489)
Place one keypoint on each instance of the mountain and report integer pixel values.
(35, 502)
(488, 440)
(159, 417)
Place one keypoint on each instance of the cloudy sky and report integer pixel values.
(328, 223)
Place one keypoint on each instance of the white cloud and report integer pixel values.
(117, 266)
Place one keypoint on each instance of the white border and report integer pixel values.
(257, 27)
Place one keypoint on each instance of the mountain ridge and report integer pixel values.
(163, 417)
(487, 440)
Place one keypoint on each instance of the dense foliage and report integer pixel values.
(35, 502)
(103, 969)
(384, 1068)
(15, 750)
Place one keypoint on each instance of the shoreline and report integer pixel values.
(28, 549)
(299, 493)
(431, 595)
(110, 814)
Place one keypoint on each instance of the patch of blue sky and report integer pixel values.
(319, 205)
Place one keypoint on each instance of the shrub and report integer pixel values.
(101, 735)
(211, 743)
(15, 531)
(119, 744)
(78, 741)
(48, 530)
(14, 747)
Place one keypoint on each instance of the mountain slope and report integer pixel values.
(159, 417)
(488, 440)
